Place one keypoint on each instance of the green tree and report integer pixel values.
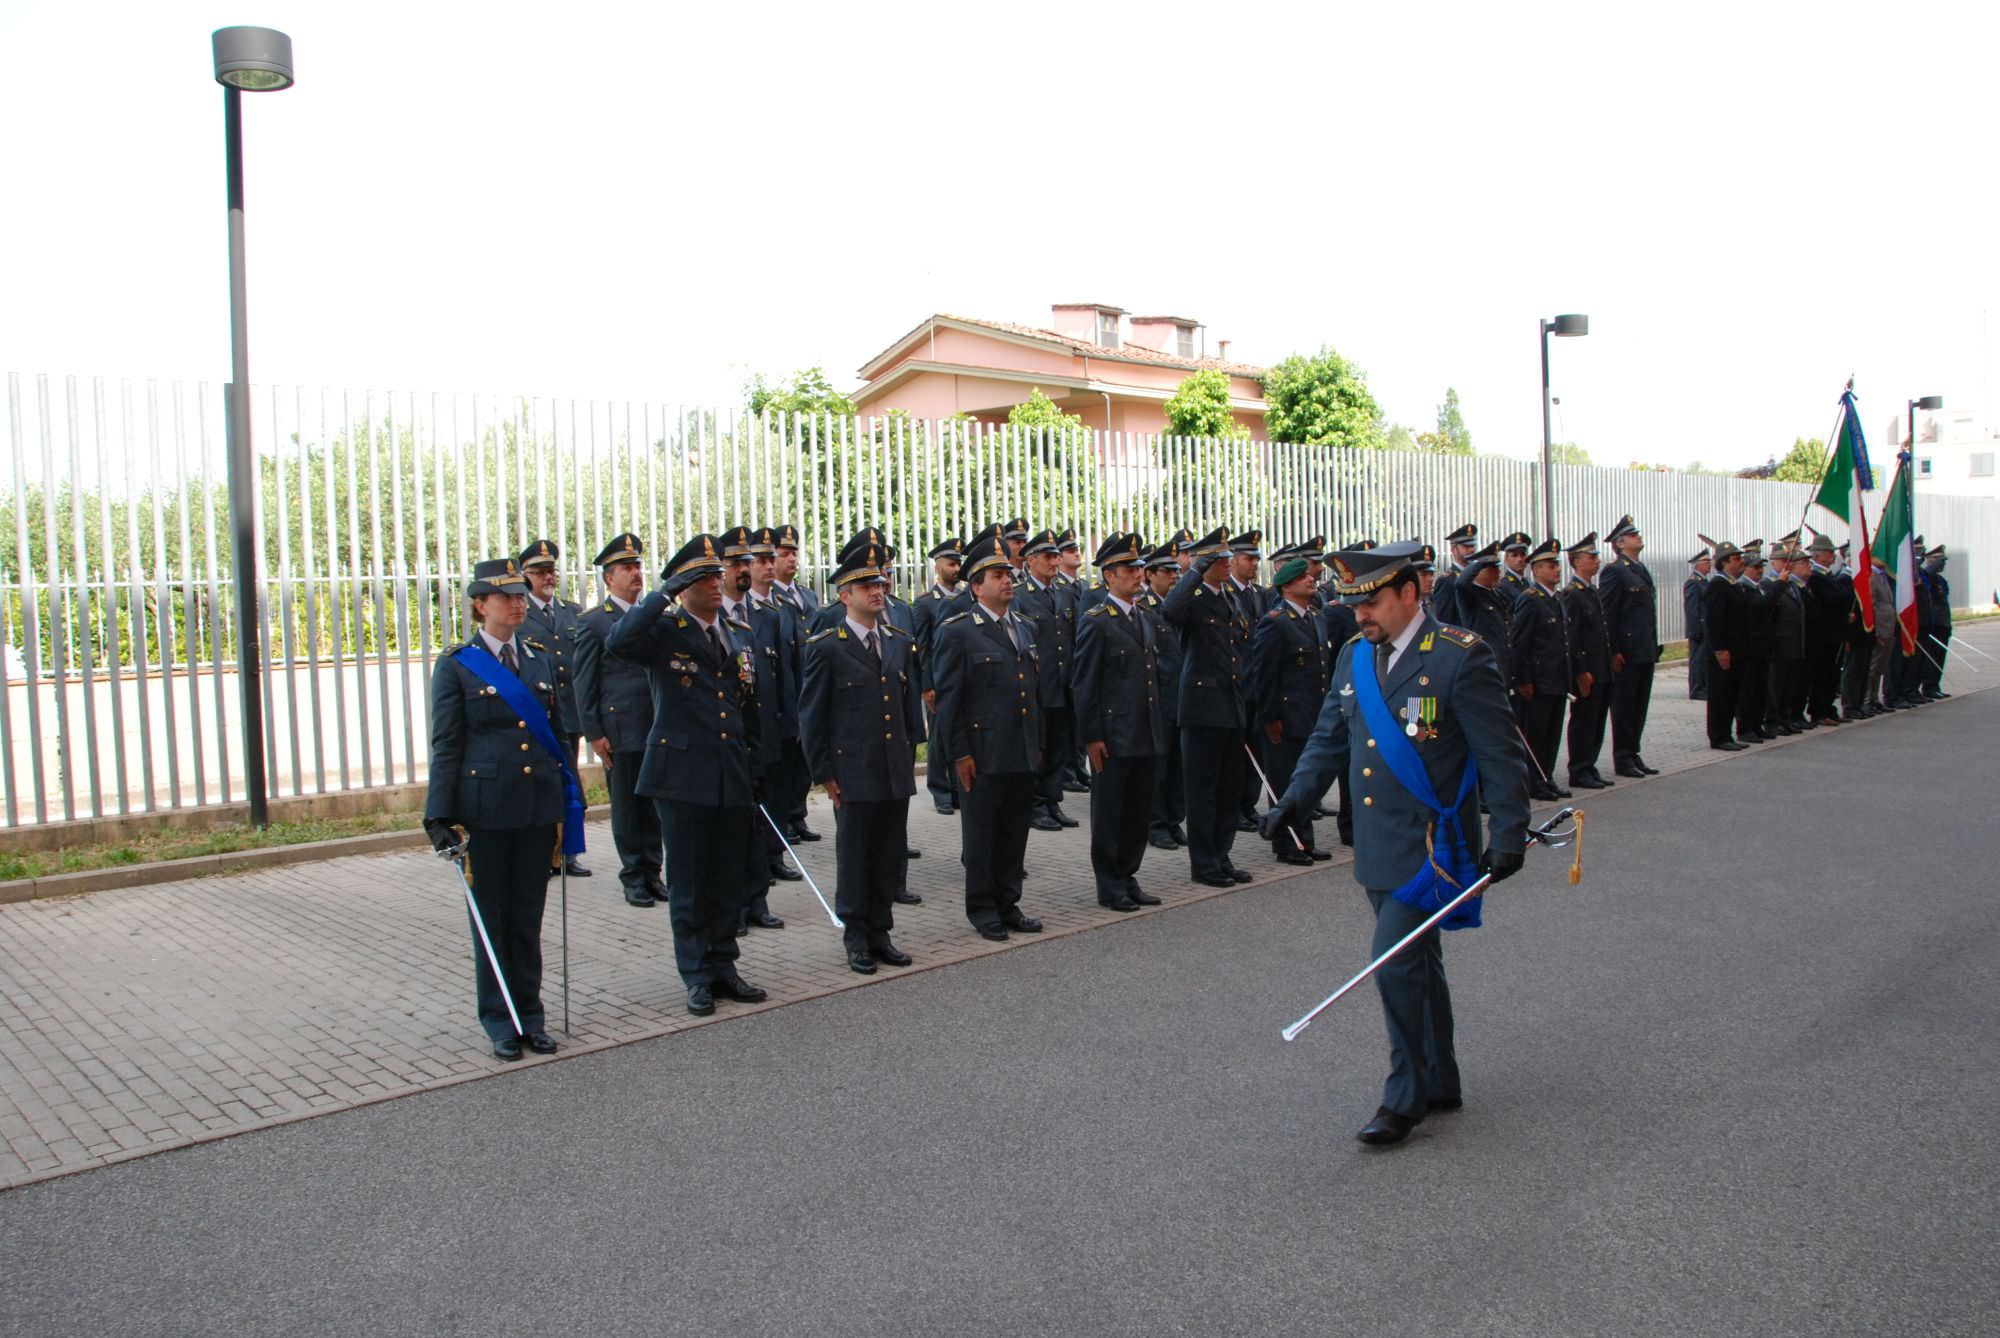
(1322, 400)
(1039, 411)
(1804, 463)
(1200, 408)
(1400, 438)
(808, 391)
(1452, 437)
(1568, 453)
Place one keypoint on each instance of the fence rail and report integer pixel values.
(117, 615)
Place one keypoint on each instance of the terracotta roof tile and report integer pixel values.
(1129, 352)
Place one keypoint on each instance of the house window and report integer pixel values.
(1982, 464)
(1107, 329)
(1924, 467)
(1184, 340)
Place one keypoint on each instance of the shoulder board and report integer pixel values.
(1099, 611)
(887, 628)
(1578, 584)
(1356, 637)
(1278, 613)
(532, 644)
(962, 613)
(821, 636)
(737, 624)
(1458, 636)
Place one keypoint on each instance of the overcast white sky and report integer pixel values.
(647, 202)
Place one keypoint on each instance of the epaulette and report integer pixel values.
(887, 628)
(1578, 584)
(962, 613)
(739, 626)
(1278, 613)
(1097, 610)
(532, 644)
(1356, 637)
(1458, 636)
(609, 607)
(821, 636)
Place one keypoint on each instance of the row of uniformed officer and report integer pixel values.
(1291, 666)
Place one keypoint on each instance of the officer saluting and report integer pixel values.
(1290, 665)
(1439, 693)
(989, 729)
(1212, 709)
(860, 722)
(1460, 543)
(701, 763)
(614, 706)
(552, 621)
(491, 775)
(1120, 721)
(1544, 667)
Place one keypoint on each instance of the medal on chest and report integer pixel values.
(1420, 713)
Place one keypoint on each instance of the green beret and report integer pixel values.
(1289, 572)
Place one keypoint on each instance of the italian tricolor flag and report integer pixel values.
(1896, 554)
(1847, 477)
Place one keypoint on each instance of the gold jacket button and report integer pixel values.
(1368, 771)
(1368, 801)
(527, 771)
(520, 724)
(725, 734)
(524, 747)
(1371, 743)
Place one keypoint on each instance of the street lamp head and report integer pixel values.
(1565, 326)
(1931, 402)
(256, 60)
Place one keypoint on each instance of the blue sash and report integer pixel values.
(1448, 867)
(515, 693)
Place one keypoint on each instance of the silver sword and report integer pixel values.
(457, 857)
(1955, 641)
(1966, 645)
(838, 923)
(1536, 836)
(1270, 798)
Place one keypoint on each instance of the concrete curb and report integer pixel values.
(204, 866)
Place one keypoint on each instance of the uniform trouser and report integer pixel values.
(1252, 802)
(1856, 657)
(1586, 728)
(993, 836)
(1753, 686)
(939, 777)
(635, 825)
(1698, 666)
(1169, 787)
(763, 855)
(1880, 657)
(789, 783)
(1212, 767)
(508, 868)
(1631, 701)
(1121, 802)
(1058, 742)
(869, 839)
(1541, 721)
(1722, 695)
(1822, 680)
(1909, 671)
(707, 858)
(1787, 700)
(1416, 1005)
(1280, 760)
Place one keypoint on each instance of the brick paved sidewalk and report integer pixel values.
(150, 1018)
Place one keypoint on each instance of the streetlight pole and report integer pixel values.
(1563, 327)
(255, 60)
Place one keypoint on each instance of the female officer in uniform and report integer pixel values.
(489, 776)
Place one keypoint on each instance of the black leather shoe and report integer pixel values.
(1585, 783)
(1561, 793)
(885, 951)
(1542, 792)
(1386, 1128)
(1645, 766)
(1602, 782)
(1629, 770)
(785, 873)
(860, 962)
(540, 1042)
(1246, 824)
(911, 852)
(1041, 822)
(1122, 904)
(1159, 841)
(1075, 787)
(1294, 857)
(1439, 1103)
(1143, 898)
(1319, 813)
(767, 921)
(992, 933)
(1318, 854)
(905, 897)
(1215, 880)
(1021, 924)
(1062, 817)
(945, 810)
(736, 987)
(574, 868)
(1237, 875)
(1766, 734)
(507, 1047)
(804, 833)
(1729, 746)
(639, 897)
(701, 1000)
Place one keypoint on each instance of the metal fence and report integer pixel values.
(117, 623)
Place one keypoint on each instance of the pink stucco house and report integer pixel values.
(1114, 370)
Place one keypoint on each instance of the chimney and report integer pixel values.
(1222, 349)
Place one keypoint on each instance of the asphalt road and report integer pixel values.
(1740, 1081)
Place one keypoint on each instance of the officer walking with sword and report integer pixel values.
(1418, 718)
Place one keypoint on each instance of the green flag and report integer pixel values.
(1846, 474)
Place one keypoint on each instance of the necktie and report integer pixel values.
(715, 636)
(507, 658)
(872, 646)
(1014, 635)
